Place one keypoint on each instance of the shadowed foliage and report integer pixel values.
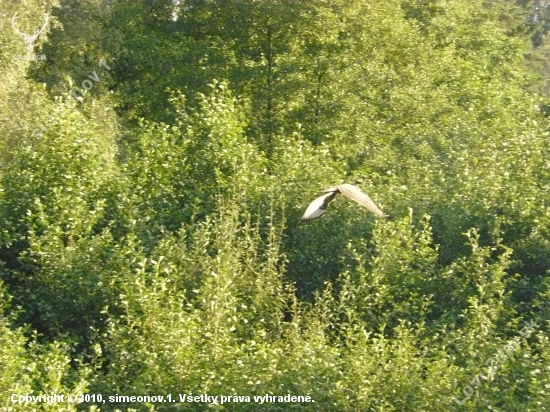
(150, 235)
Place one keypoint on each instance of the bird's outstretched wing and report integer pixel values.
(318, 206)
(354, 193)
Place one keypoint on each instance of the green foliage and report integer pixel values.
(55, 237)
(33, 369)
(175, 171)
(190, 311)
(150, 240)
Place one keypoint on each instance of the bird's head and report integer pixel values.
(330, 190)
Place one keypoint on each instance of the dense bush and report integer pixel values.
(150, 241)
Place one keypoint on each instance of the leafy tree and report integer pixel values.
(150, 240)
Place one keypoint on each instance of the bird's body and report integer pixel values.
(319, 206)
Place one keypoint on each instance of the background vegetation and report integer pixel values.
(149, 238)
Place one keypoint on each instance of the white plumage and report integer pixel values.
(319, 206)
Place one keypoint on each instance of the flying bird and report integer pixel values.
(319, 206)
